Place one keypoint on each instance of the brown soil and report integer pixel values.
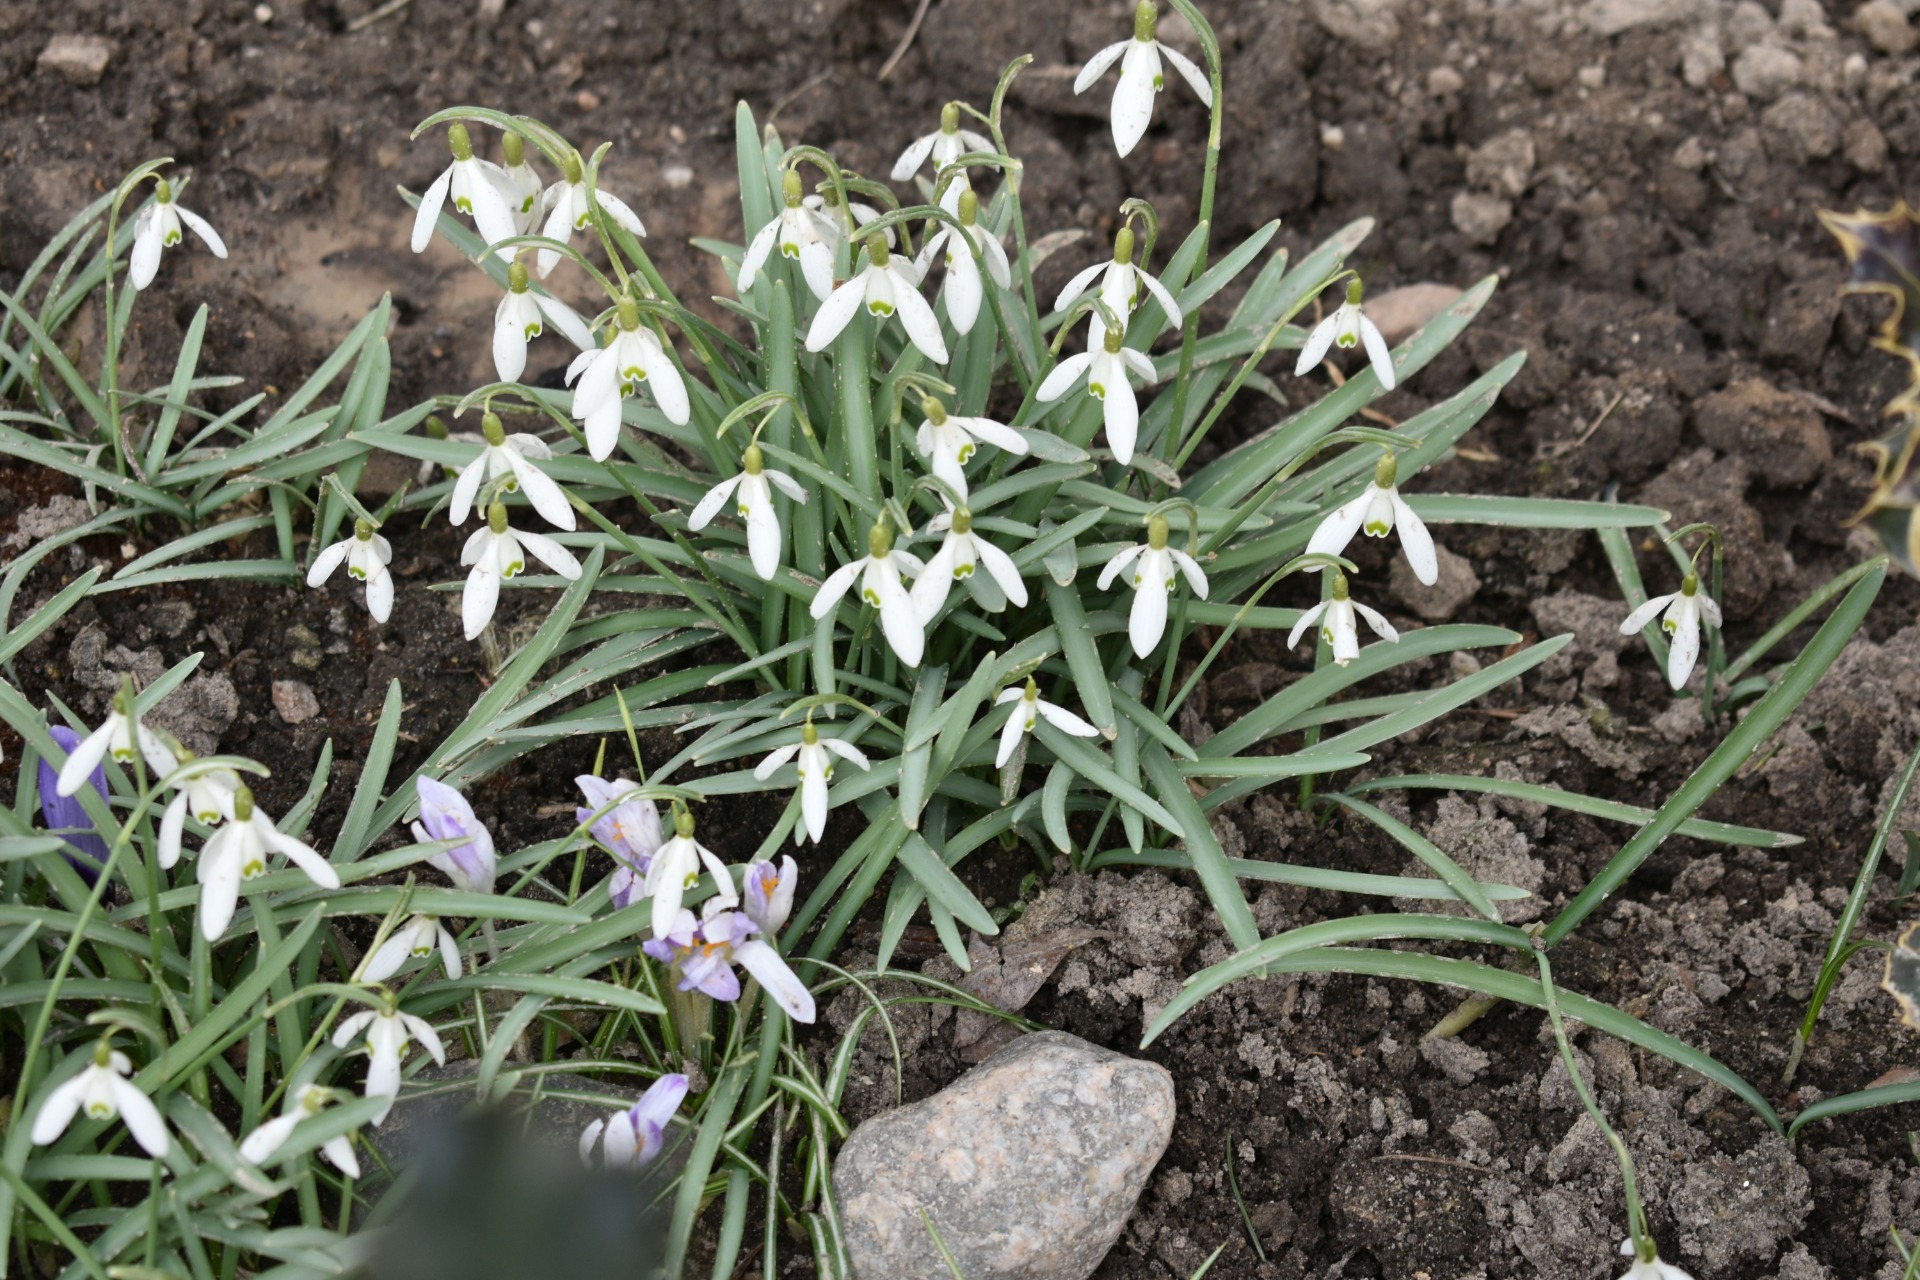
(1643, 176)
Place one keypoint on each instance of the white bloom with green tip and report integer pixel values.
(1123, 287)
(507, 461)
(1685, 609)
(116, 737)
(676, 868)
(1346, 328)
(367, 556)
(522, 316)
(478, 188)
(602, 378)
(947, 442)
(1031, 710)
(960, 552)
(1105, 364)
(1141, 77)
(388, 1033)
(813, 757)
(102, 1090)
(880, 572)
(752, 492)
(1339, 623)
(945, 146)
(1155, 569)
(158, 228)
(887, 286)
(1649, 1268)
(416, 940)
(962, 289)
(302, 1103)
(238, 851)
(568, 211)
(1377, 512)
(496, 552)
(803, 234)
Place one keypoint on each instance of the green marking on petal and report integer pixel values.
(881, 309)
(1097, 391)
(463, 204)
(514, 569)
(1376, 528)
(963, 571)
(871, 597)
(355, 571)
(170, 239)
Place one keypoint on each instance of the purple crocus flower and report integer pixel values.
(769, 893)
(629, 830)
(65, 816)
(702, 955)
(635, 1136)
(446, 815)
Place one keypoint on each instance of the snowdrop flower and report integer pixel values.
(302, 1103)
(478, 187)
(617, 370)
(238, 851)
(769, 893)
(1338, 623)
(676, 868)
(519, 183)
(947, 443)
(1105, 363)
(960, 551)
(1684, 610)
(1649, 1268)
(816, 770)
(415, 940)
(1345, 328)
(1027, 714)
(880, 586)
(388, 1033)
(498, 552)
(946, 146)
(803, 234)
(208, 796)
(507, 460)
(702, 956)
(568, 210)
(753, 502)
(962, 289)
(1376, 512)
(1140, 77)
(635, 1136)
(628, 829)
(103, 1091)
(158, 227)
(446, 815)
(1154, 563)
(827, 207)
(115, 736)
(522, 316)
(1123, 287)
(888, 286)
(367, 556)
(66, 816)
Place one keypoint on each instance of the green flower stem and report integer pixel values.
(1190, 331)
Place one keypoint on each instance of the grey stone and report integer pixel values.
(1457, 584)
(295, 701)
(1803, 127)
(1885, 26)
(1503, 165)
(1028, 1165)
(199, 711)
(1481, 217)
(1765, 71)
(1611, 17)
(80, 60)
(1701, 59)
(1401, 312)
(1373, 25)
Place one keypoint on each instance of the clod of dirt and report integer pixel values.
(1481, 217)
(1765, 71)
(1457, 585)
(1007, 976)
(1489, 848)
(1372, 25)
(199, 711)
(80, 60)
(1409, 1214)
(1778, 434)
(60, 513)
(1738, 1211)
(1885, 24)
(1503, 165)
(294, 701)
(1029, 1165)
(1597, 642)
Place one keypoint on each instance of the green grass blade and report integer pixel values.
(1209, 859)
(1574, 802)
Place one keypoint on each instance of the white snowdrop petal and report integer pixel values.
(380, 595)
(1417, 542)
(917, 317)
(1147, 620)
(200, 227)
(1377, 353)
(1115, 566)
(1077, 286)
(1334, 532)
(913, 157)
(141, 1116)
(1636, 621)
(1097, 65)
(1318, 343)
(1122, 420)
(1064, 375)
(836, 313)
(1381, 627)
(326, 562)
(1305, 622)
(428, 215)
(555, 556)
(1133, 96)
(1196, 78)
(712, 503)
(833, 588)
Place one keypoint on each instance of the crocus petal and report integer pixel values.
(776, 979)
(836, 313)
(710, 505)
(1196, 78)
(623, 1145)
(141, 1116)
(917, 317)
(1377, 353)
(1119, 563)
(1133, 95)
(1319, 342)
(1097, 65)
(428, 215)
(1307, 620)
(1636, 621)
(1064, 375)
(1147, 620)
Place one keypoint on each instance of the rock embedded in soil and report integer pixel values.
(1028, 1166)
(1457, 585)
(1885, 26)
(1400, 313)
(295, 701)
(1480, 217)
(80, 60)
(1777, 433)
(1765, 71)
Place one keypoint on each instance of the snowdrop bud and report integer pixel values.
(1156, 533)
(877, 252)
(1339, 585)
(962, 521)
(950, 118)
(879, 541)
(628, 312)
(935, 412)
(362, 531)
(752, 461)
(243, 805)
(1123, 245)
(163, 191)
(1114, 339)
(497, 519)
(574, 169)
(490, 426)
(460, 141)
(516, 278)
(436, 428)
(792, 190)
(1386, 472)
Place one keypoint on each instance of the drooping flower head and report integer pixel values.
(158, 228)
(880, 572)
(947, 145)
(1685, 610)
(963, 289)
(507, 461)
(237, 853)
(1155, 568)
(635, 1136)
(1031, 710)
(676, 868)
(496, 552)
(116, 736)
(479, 189)
(701, 955)
(414, 940)
(1378, 511)
(751, 489)
(1339, 625)
(1124, 287)
(960, 552)
(519, 182)
(602, 378)
(1141, 77)
(570, 210)
(388, 1033)
(102, 1090)
(207, 795)
(367, 556)
(65, 816)
(1105, 363)
(446, 815)
(815, 764)
(523, 315)
(947, 442)
(887, 286)
(1649, 1266)
(629, 829)
(803, 234)
(1346, 328)
(302, 1103)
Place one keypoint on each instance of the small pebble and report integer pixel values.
(586, 100)
(1333, 137)
(80, 60)
(1885, 26)
(1593, 77)
(1442, 81)
(676, 175)
(263, 14)
(294, 701)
